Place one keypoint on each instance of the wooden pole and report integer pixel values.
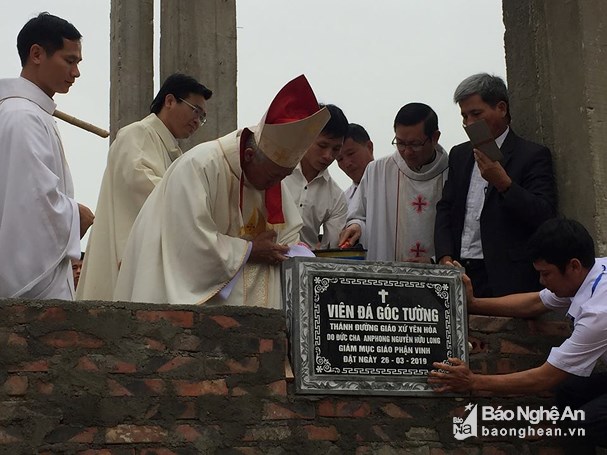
(81, 124)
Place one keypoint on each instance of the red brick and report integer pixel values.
(40, 365)
(266, 345)
(248, 451)
(117, 390)
(15, 339)
(85, 437)
(488, 324)
(396, 412)
(6, 438)
(16, 385)
(179, 318)
(508, 347)
(278, 388)
(186, 342)
(194, 389)
(552, 328)
(188, 433)
(380, 433)
(16, 313)
(86, 364)
(273, 411)
(128, 434)
(248, 365)
(155, 386)
(175, 363)
(478, 345)
(155, 344)
(71, 339)
(317, 433)
(44, 387)
(119, 366)
(239, 392)
(225, 322)
(189, 411)
(157, 451)
(329, 408)
(53, 314)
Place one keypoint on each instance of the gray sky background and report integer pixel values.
(369, 58)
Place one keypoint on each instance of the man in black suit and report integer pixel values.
(489, 209)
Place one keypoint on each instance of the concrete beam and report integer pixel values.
(559, 97)
(131, 62)
(199, 38)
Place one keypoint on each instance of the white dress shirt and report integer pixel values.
(472, 247)
(321, 202)
(579, 353)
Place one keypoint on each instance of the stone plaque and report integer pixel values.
(372, 328)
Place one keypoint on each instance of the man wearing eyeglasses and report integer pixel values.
(217, 227)
(490, 209)
(137, 161)
(393, 210)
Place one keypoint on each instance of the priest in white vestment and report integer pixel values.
(40, 222)
(218, 225)
(137, 160)
(394, 207)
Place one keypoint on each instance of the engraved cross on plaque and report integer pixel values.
(383, 293)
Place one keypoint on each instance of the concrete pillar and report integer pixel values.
(557, 78)
(198, 37)
(131, 61)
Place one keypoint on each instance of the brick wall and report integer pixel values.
(118, 378)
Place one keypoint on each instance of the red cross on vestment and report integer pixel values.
(419, 203)
(417, 250)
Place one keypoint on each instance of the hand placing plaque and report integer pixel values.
(372, 328)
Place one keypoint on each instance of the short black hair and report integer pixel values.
(357, 133)
(48, 32)
(558, 240)
(337, 126)
(180, 86)
(414, 113)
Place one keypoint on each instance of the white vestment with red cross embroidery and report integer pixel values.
(396, 207)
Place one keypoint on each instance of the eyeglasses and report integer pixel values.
(402, 146)
(198, 112)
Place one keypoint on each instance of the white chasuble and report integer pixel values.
(137, 160)
(396, 207)
(192, 237)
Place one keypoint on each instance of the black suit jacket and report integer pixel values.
(507, 219)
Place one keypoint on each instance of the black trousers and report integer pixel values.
(477, 272)
(590, 395)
